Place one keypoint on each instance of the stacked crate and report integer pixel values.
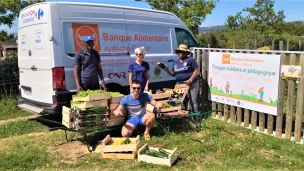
(175, 97)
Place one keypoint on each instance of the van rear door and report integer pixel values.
(35, 55)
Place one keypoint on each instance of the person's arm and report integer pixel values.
(76, 69)
(194, 65)
(148, 81)
(100, 72)
(130, 80)
(130, 70)
(76, 72)
(118, 111)
(170, 72)
(156, 104)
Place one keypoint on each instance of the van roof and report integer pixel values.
(103, 5)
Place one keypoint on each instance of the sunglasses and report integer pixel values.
(138, 54)
(134, 88)
(181, 52)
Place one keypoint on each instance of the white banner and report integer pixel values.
(245, 80)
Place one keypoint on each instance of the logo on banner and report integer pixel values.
(81, 30)
(32, 15)
(226, 59)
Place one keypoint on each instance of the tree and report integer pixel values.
(4, 36)
(10, 9)
(192, 12)
(261, 17)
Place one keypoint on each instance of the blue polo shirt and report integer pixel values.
(139, 72)
(184, 70)
(89, 64)
(136, 107)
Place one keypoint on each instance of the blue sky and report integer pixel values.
(293, 9)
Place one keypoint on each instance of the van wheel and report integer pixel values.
(116, 88)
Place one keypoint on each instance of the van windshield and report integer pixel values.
(184, 37)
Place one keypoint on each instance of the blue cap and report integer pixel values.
(87, 38)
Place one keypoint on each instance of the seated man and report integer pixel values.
(136, 103)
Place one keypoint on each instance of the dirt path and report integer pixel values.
(19, 118)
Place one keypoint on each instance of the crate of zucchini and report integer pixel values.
(90, 110)
(157, 155)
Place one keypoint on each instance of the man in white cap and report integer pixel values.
(87, 67)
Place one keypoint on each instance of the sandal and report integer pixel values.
(147, 136)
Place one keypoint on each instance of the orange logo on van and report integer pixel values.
(226, 59)
(80, 30)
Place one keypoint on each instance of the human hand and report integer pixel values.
(118, 113)
(188, 82)
(146, 88)
(78, 88)
(102, 84)
(159, 105)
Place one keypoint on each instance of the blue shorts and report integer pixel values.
(136, 121)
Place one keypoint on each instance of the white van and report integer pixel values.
(50, 34)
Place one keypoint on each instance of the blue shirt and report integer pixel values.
(136, 107)
(184, 70)
(88, 64)
(139, 72)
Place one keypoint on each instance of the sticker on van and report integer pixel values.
(80, 30)
(23, 42)
(38, 39)
(32, 15)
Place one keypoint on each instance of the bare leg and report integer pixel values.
(149, 121)
(127, 130)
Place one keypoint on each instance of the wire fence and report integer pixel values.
(9, 78)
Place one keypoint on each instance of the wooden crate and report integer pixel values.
(67, 117)
(175, 108)
(93, 97)
(173, 156)
(116, 121)
(116, 100)
(119, 151)
(181, 89)
(161, 95)
(90, 104)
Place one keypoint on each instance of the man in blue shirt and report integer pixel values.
(136, 103)
(87, 67)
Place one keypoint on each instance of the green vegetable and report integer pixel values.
(168, 105)
(160, 153)
(75, 102)
(86, 93)
(115, 94)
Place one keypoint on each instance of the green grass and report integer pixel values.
(219, 146)
(20, 127)
(9, 109)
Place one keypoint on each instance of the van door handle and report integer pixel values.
(34, 68)
(170, 60)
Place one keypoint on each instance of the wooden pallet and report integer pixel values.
(173, 156)
(126, 151)
(93, 97)
(90, 104)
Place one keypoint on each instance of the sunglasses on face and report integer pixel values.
(138, 54)
(181, 52)
(136, 88)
